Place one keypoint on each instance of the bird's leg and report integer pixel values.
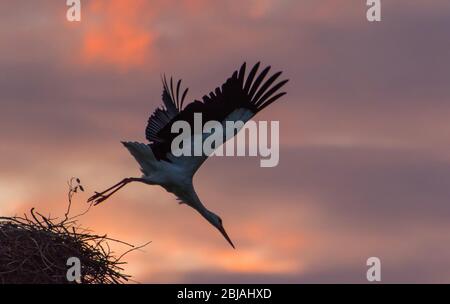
(97, 194)
(105, 197)
(100, 197)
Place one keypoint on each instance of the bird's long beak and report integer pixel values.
(225, 235)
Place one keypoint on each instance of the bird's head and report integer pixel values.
(216, 221)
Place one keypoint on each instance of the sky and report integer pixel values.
(364, 135)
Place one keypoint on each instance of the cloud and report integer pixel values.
(114, 33)
(364, 165)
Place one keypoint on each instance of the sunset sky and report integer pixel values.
(364, 133)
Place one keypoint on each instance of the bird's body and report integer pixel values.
(171, 176)
(239, 99)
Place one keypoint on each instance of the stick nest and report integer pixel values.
(35, 249)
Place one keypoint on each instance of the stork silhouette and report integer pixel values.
(238, 99)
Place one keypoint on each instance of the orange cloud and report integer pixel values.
(115, 34)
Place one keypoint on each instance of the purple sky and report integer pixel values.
(365, 140)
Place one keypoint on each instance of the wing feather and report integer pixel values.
(237, 95)
(250, 78)
(162, 116)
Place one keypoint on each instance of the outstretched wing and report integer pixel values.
(163, 115)
(239, 99)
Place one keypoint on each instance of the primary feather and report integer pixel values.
(238, 92)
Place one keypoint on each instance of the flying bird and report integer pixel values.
(239, 99)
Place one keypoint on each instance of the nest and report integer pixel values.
(36, 249)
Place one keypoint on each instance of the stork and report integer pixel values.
(239, 99)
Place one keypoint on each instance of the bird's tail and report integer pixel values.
(143, 155)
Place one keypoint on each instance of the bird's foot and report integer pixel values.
(100, 199)
(97, 198)
(94, 197)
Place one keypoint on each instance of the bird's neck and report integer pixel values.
(198, 205)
